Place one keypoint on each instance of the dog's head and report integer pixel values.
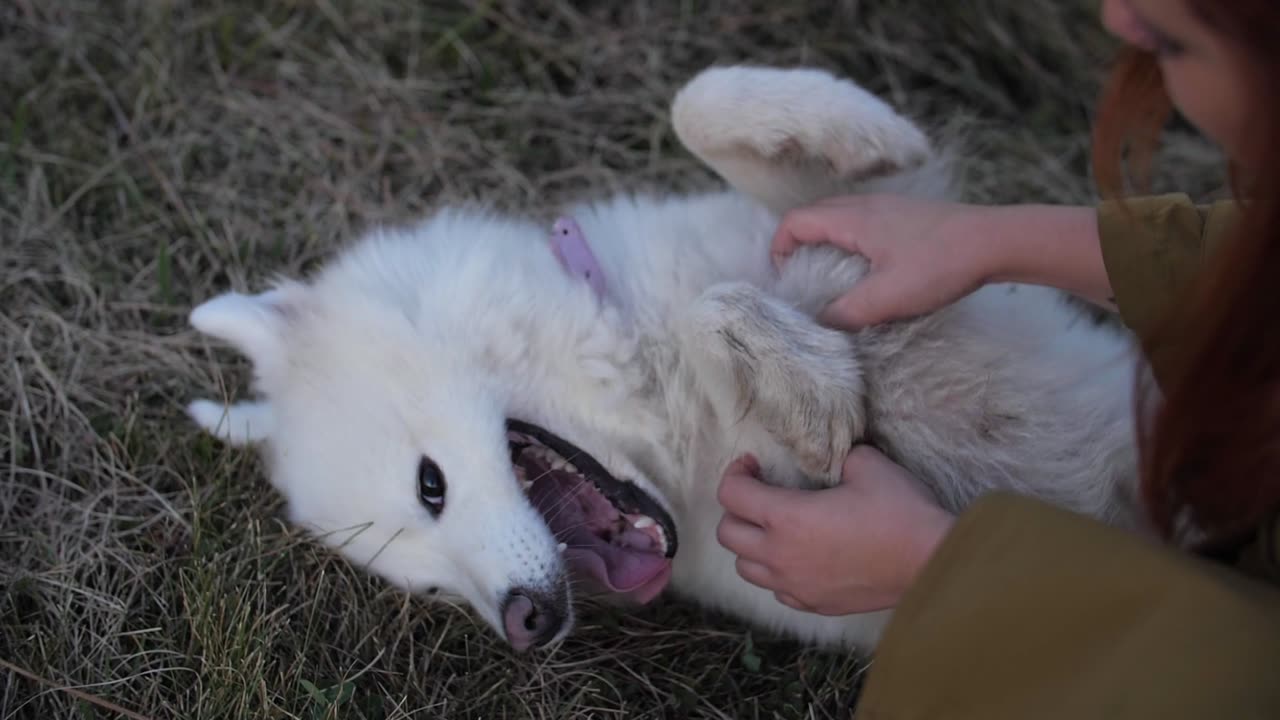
(392, 419)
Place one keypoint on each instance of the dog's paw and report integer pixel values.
(794, 117)
(801, 381)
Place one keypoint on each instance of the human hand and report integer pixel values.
(852, 548)
(923, 254)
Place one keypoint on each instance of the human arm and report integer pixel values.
(1026, 610)
(1016, 608)
(1135, 256)
(924, 254)
(855, 548)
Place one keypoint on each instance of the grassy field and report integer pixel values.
(155, 152)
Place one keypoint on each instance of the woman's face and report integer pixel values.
(1202, 73)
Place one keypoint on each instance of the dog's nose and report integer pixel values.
(532, 617)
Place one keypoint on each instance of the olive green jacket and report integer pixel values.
(1028, 611)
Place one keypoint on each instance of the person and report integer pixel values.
(1015, 608)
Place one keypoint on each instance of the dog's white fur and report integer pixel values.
(422, 340)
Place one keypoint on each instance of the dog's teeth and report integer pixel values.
(562, 547)
(643, 522)
(558, 463)
(570, 467)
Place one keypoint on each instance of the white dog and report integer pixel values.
(482, 406)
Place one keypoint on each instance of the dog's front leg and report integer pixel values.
(801, 381)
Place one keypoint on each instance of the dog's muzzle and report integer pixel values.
(533, 618)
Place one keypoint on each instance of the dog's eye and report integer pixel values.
(430, 485)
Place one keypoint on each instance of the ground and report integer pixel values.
(153, 153)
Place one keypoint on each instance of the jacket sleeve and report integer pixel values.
(1030, 611)
(1027, 610)
(1152, 248)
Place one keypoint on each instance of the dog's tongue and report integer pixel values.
(630, 565)
(636, 576)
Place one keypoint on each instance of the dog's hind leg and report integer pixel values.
(800, 381)
(788, 137)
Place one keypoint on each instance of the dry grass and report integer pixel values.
(153, 152)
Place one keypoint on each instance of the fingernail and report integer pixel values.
(827, 318)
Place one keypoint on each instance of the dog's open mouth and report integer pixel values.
(612, 532)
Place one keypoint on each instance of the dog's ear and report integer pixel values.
(238, 424)
(254, 324)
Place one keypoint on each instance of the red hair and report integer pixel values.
(1210, 446)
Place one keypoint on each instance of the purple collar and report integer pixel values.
(571, 249)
